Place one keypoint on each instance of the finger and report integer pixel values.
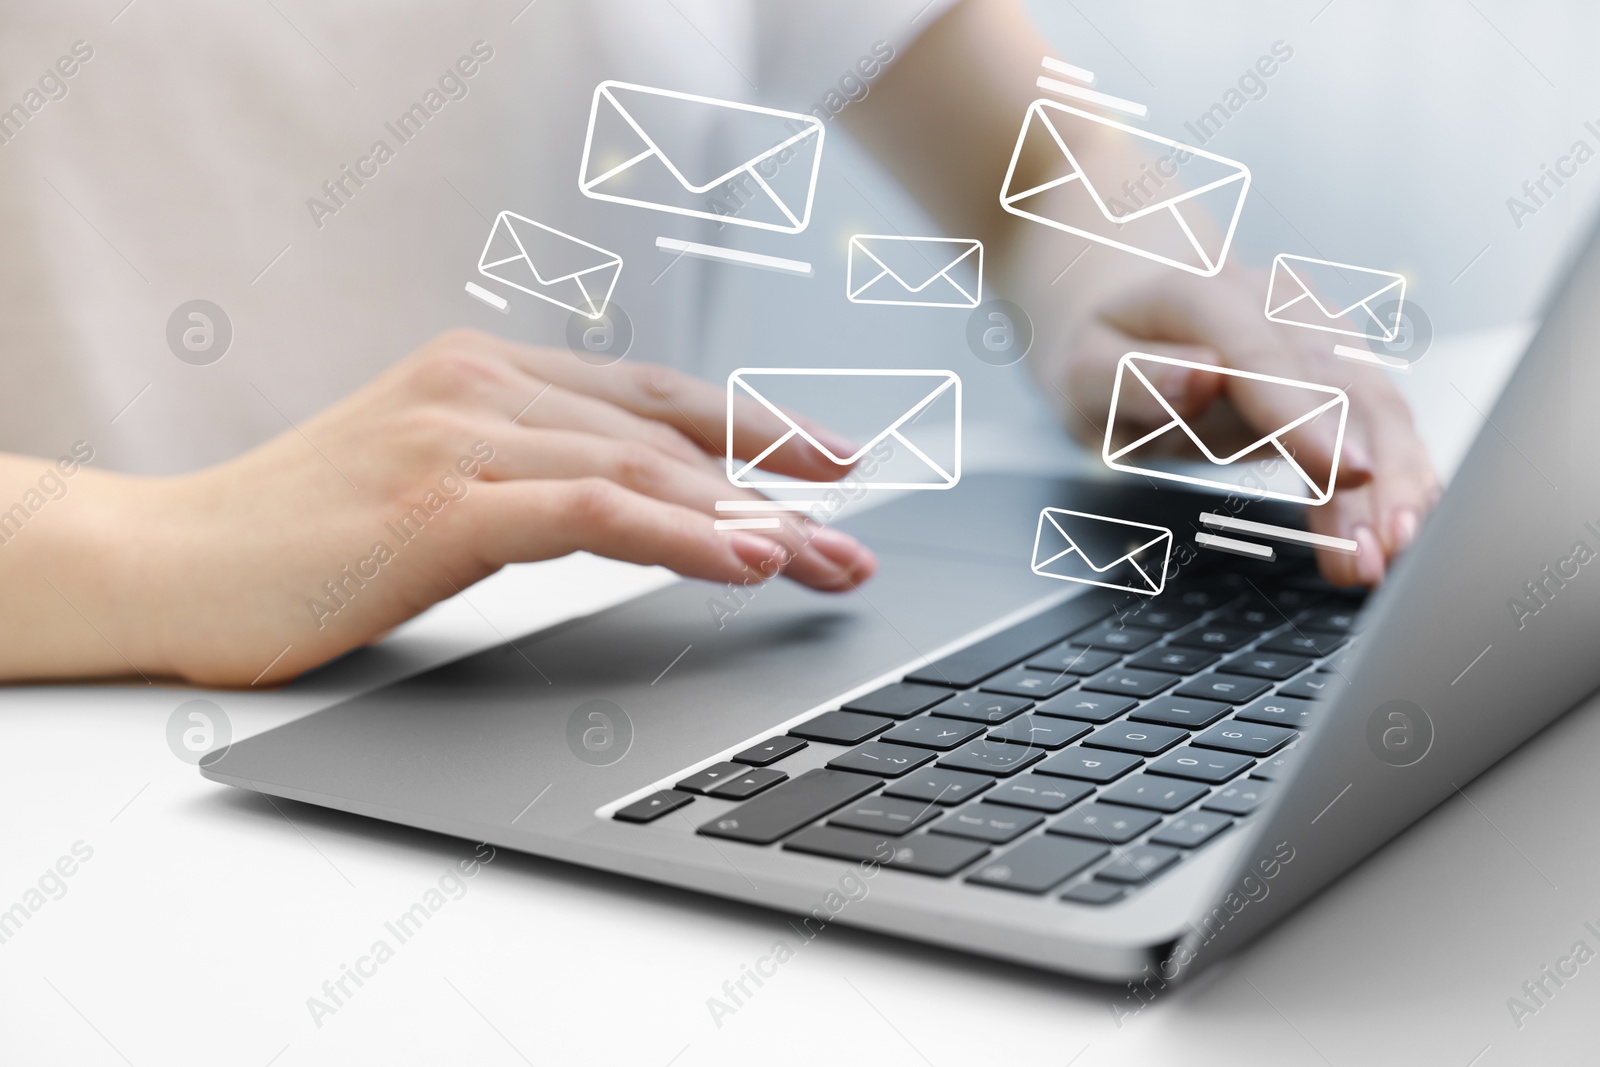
(532, 520)
(559, 408)
(1350, 514)
(818, 557)
(1404, 485)
(696, 409)
(1094, 372)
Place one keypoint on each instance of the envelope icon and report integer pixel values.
(1076, 546)
(1147, 451)
(1158, 211)
(543, 262)
(913, 271)
(907, 424)
(701, 157)
(1337, 297)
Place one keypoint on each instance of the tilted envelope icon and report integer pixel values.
(1076, 546)
(1341, 298)
(544, 262)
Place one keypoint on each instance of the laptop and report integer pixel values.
(966, 754)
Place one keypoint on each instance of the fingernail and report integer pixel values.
(1369, 557)
(1355, 458)
(1175, 384)
(758, 553)
(840, 548)
(1405, 529)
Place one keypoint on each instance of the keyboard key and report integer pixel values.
(1305, 643)
(1114, 635)
(1155, 792)
(1097, 893)
(884, 760)
(1251, 738)
(1251, 613)
(1335, 618)
(749, 783)
(884, 815)
(983, 707)
(1037, 865)
(1089, 707)
(1027, 682)
(1040, 731)
(1228, 688)
(1192, 831)
(1039, 793)
(1313, 686)
(1187, 712)
(1151, 616)
(1272, 665)
(988, 757)
(1137, 865)
(1240, 798)
(771, 750)
(1104, 822)
(1201, 765)
(703, 782)
(933, 731)
(1278, 767)
(1140, 738)
(1174, 659)
(652, 807)
(1216, 638)
(1090, 764)
(1205, 595)
(1131, 683)
(935, 785)
(987, 822)
(921, 854)
(785, 808)
(994, 654)
(1290, 599)
(841, 727)
(1279, 711)
(898, 701)
(1074, 660)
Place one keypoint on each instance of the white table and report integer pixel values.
(206, 917)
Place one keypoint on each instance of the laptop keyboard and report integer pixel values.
(1085, 764)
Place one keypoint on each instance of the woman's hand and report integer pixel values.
(1386, 482)
(471, 454)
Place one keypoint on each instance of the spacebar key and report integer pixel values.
(791, 805)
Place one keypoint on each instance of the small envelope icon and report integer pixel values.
(701, 157)
(1076, 546)
(1337, 297)
(909, 420)
(535, 259)
(1157, 211)
(1142, 450)
(912, 271)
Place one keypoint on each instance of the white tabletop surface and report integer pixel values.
(204, 918)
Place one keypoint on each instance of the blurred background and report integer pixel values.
(181, 162)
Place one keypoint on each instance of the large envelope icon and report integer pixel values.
(908, 420)
(1076, 546)
(1142, 450)
(913, 271)
(1337, 297)
(1166, 211)
(535, 259)
(701, 157)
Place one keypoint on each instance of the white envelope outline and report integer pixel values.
(585, 302)
(1288, 288)
(962, 247)
(588, 184)
(1051, 519)
(1211, 261)
(744, 473)
(1320, 399)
